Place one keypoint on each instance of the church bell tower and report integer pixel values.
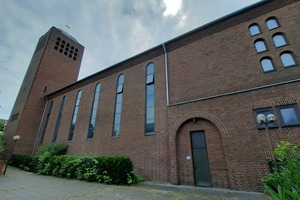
(55, 64)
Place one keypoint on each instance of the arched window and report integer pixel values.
(279, 40)
(272, 23)
(74, 117)
(94, 112)
(118, 107)
(260, 46)
(150, 94)
(254, 29)
(59, 117)
(267, 64)
(288, 59)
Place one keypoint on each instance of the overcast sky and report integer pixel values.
(110, 31)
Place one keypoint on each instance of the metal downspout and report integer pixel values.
(167, 75)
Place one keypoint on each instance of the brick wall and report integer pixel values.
(149, 152)
(48, 68)
(215, 83)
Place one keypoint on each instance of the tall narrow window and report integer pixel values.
(59, 119)
(288, 59)
(254, 29)
(272, 23)
(149, 125)
(279, 40)
(260, 46)
(94, 112)
(267, 64)
(74, 117)
(118, 107)
(46, 122)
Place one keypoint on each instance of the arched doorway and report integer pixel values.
(200, 157)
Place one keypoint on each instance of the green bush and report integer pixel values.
(116, 170)
(25, 162)
(284, 183)
(69, 166)
(54, 149)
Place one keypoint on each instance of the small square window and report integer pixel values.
(265, 111)
(289, 115)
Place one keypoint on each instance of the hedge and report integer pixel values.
(116, 170)
(25, 162)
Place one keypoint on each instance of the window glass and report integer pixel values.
(117, 118)
(150, 68)
(59, 117)
(150, 99)
(260, 46)
(121, 79)
(119, 98)
(267, 64)
(74, 117)
(116, 130)
(150, 89)
(149, 126)
(46, 123)
(118, 106)
(79, 95)
(279, 40)
(92, 124)
(120, 88)
(254, 29)
(287, 59)
(272, 23)
(150, 79)
(289, 115)
(150, 113)
(94, 112)
(76, 110)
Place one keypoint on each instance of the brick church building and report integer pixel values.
(183, 111)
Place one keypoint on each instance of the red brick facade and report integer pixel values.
(208, 80)
(48, 71)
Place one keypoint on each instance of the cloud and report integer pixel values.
(173, 6)
(111, 31)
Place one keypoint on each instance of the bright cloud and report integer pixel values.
(173, 6)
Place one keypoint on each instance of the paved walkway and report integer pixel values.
(17, 184)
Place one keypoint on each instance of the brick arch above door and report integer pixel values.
(174, 130)
(203, 115)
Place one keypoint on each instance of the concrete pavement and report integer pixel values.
(18, 184)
